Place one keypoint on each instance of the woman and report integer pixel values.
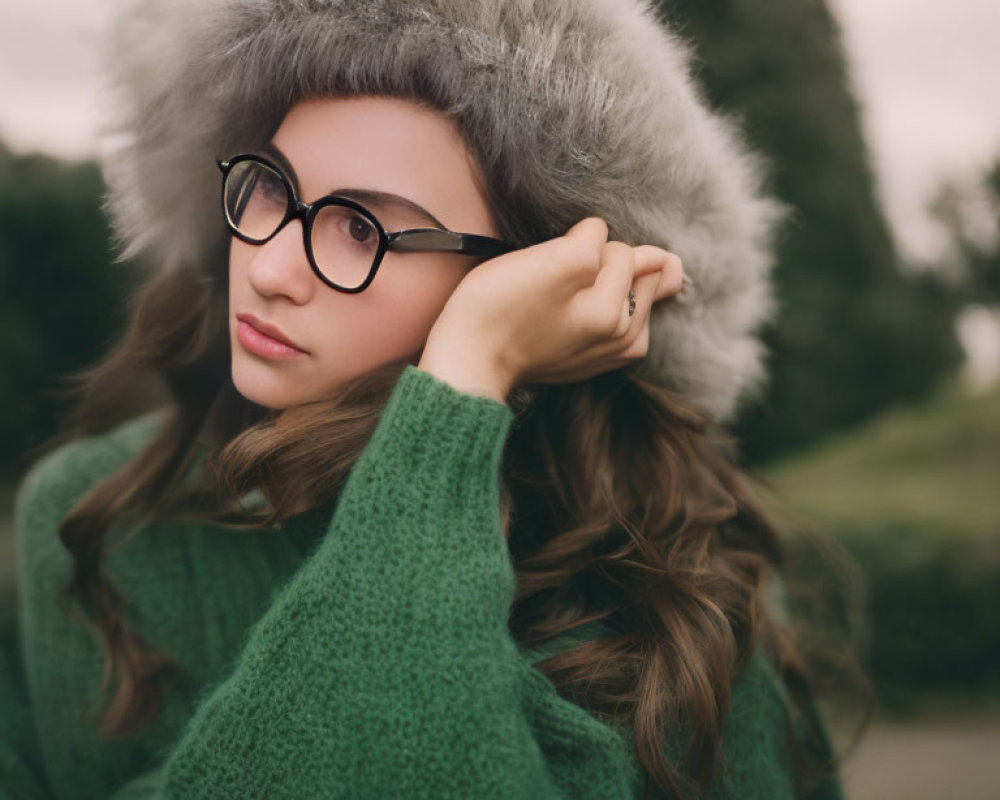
(429, 498)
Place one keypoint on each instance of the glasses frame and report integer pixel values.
(413, 240)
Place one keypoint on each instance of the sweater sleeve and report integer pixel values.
(385, 667)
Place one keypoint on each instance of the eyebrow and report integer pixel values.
(372, 197)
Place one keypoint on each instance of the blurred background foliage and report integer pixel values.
(866, 431)
(61, 296)
(856, 332)
(912, 496)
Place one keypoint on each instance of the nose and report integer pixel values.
(280, 267)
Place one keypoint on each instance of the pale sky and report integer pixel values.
(926, 72)
(927, 77)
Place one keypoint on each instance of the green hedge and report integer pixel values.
(912, 497)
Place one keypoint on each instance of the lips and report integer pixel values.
(264, 339)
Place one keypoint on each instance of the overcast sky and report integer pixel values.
(926, 73)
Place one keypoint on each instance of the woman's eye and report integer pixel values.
(360, 229)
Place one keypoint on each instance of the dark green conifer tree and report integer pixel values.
(61, 297)
(854, 333)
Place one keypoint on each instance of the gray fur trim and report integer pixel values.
(574, 108)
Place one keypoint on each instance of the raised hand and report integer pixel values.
(556, 312)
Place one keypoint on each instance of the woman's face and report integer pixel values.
(334, 144)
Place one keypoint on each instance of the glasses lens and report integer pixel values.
(345, 243)
(256, 199)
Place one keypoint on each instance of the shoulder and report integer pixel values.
(757, 690)
(56, 481)
(756, 730)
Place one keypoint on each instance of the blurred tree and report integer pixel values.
(854, 333)
(61, 298)
(970, 214)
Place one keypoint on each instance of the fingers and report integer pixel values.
(609, 294)
(659, 272)
(650, 259)
(633, 327)
(585, 255)
(636, 337)
(578, 252)
(607, 271)
(656, 275)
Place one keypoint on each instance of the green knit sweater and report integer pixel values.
(363, 655)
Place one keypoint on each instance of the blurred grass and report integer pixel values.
(914, 497)
(933, 466)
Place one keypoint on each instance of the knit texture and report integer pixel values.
(359, 654)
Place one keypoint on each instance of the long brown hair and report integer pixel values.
(623, 505)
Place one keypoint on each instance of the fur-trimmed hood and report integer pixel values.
(573, 107)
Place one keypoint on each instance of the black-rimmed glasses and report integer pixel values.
(344, 241)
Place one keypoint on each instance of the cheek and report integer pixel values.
(392, 318)
(397, 323)
(237, 267)
(414, 298)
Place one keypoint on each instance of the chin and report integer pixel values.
(267, 389)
